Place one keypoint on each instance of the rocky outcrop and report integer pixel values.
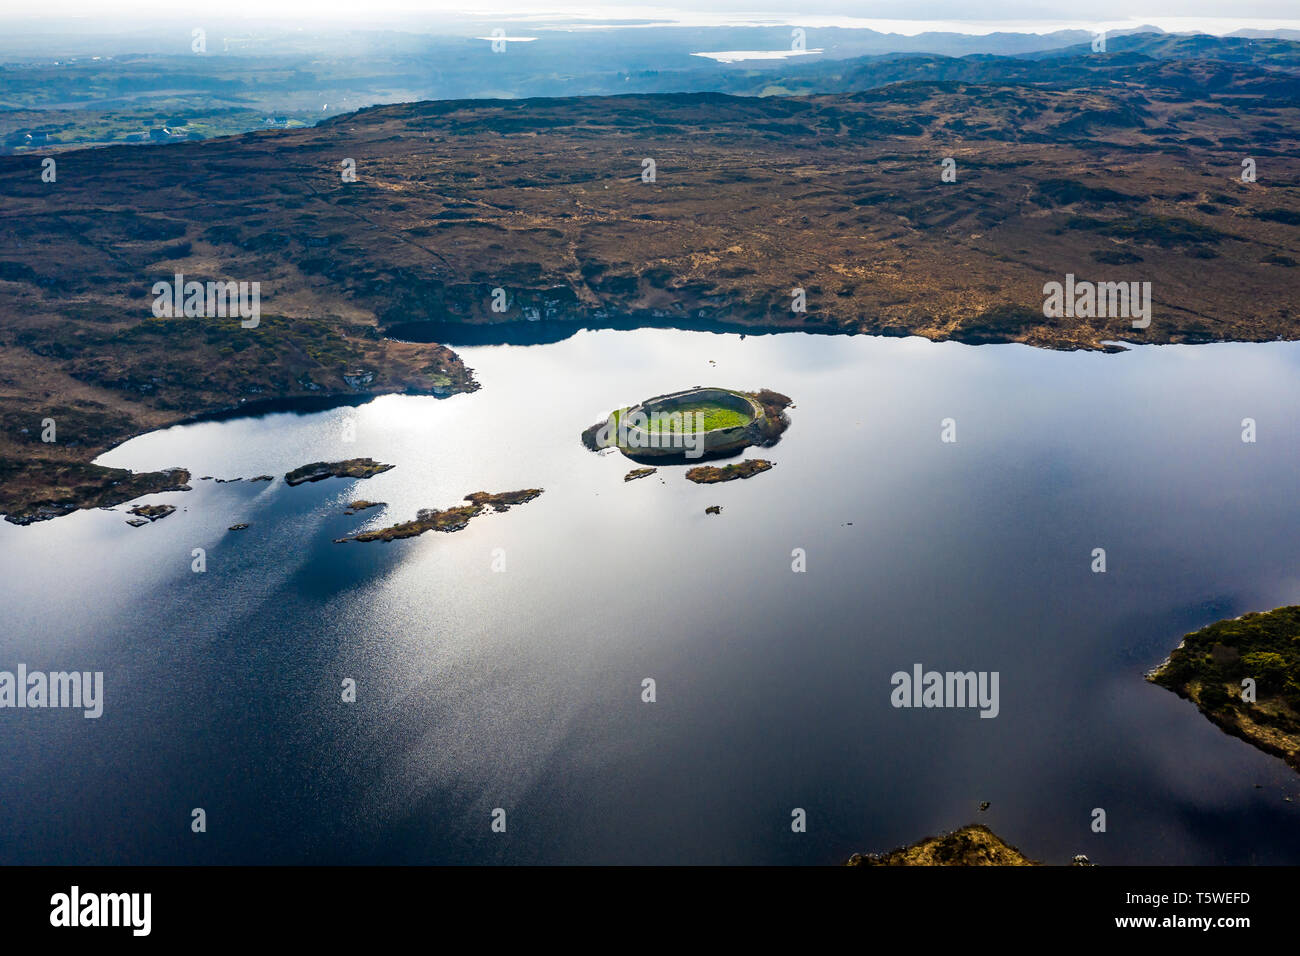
(350, 468)
(709, 475)
(452, 519)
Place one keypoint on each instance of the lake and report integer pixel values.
(480, 688)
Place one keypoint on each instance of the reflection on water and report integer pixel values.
(521, 688)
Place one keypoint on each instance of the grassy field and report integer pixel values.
(713, 415)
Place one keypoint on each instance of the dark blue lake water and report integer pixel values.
(521, 689)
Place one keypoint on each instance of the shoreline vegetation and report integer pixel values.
(1211, 668)
(449, 520)
(972, 845)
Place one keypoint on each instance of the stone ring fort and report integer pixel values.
(692, 423)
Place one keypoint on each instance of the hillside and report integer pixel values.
(1134, 178)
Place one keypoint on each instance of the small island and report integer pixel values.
(1209, 667)
(351, 468)
(972, 845)
(361, 504)
(147, 513)
(636, 473)
(711, 475)
(452, 519)
(692, 424)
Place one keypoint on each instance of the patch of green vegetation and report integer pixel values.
(973, 845)
(1210, 665)
(712, 415)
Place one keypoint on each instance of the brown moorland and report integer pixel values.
(1133, 176)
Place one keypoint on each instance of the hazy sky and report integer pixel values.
(311, 12)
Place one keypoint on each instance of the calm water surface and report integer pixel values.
(522, 689)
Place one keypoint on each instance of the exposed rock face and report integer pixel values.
(358, 379)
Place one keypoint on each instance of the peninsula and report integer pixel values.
(1244, 675)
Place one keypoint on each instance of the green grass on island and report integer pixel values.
(1210, 666)
(713, 415)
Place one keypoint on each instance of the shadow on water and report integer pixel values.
(302, 405)
(550, 331)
